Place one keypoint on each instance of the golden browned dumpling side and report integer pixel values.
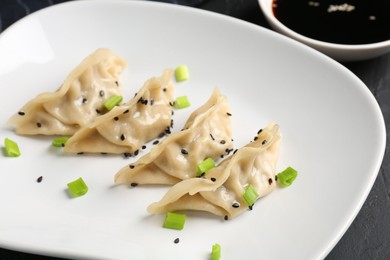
(77, 102)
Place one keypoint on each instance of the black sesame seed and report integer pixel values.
(116, 118)
(164, 89)
(228, 114)
(103, 153)
(151, 102)
(212, 137)
(226, 218)
(276, 177)
(131, 166)
(213, 179)
(221, 156)
(155, 142)
(116, 83)
(255, 138)
(270, 181)
(235, 205)
(84, 100)
(127, 155)
(136, 152)
(98, 111)
(177, 240)
(171, 123)
(101, 93)
(39, 125)
(261, 130)
(144, 147)
(251, 207)
(80, 153)
(235, 151)
(264, 142)
(39, 179)
(127, 111)
(184, 151)
(172, 113)
(21, 113)
(161, 135)
(171, 103)
(123, 137)
(134, 184)
(223, 142)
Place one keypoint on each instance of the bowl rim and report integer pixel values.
(266, 7)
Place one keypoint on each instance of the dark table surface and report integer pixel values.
(369, 235)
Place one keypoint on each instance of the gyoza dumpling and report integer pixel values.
(207, 133)
(221, 190)
(126, 128)
(77, 102)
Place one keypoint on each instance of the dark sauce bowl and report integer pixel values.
(341, 49)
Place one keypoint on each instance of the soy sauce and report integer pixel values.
(343, 22)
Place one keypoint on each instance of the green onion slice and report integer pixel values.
(11, 148)
(250, 195)
(174, 221)
(181, 73)
(77, 187)
(182, 102)
(112, 101)
(287, 177)
(216, 252)
(60, 141)
(205, 166)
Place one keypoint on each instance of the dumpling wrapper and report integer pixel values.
(77, 102)
(224, 185)
(126, 128)
(207, 133)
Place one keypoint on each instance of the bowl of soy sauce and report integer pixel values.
(348, 30)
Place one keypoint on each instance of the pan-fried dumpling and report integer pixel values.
(128, 127)
(207, 133)
(77, 102)
(221, 190)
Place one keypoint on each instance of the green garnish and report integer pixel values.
(250, 195)
(205, 166)
(112, 101)
(78, 187)
(174, 221)
(182, 102)
(181, 73)
(216, 252)
(60, 141)
(11, 148)
(287, 176)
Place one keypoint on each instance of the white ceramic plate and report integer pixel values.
(333, 134)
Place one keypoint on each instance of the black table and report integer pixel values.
(369, 235)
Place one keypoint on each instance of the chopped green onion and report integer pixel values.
(181, 73)
(250, 195)
(112, 101)
(216, 252)
(182, 102)
(174, 221)
(287, 176)
(78, 187)
(205, 166)
(11, 148)
(60, 141)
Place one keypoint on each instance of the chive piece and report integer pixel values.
(11, 148)
(205, 166)
(181, 73)
(112, 102)
(216, 252)
(287, 177)
(182, 102)
(250, 195)
(77, 187)
(60, 141)
(174, 221)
